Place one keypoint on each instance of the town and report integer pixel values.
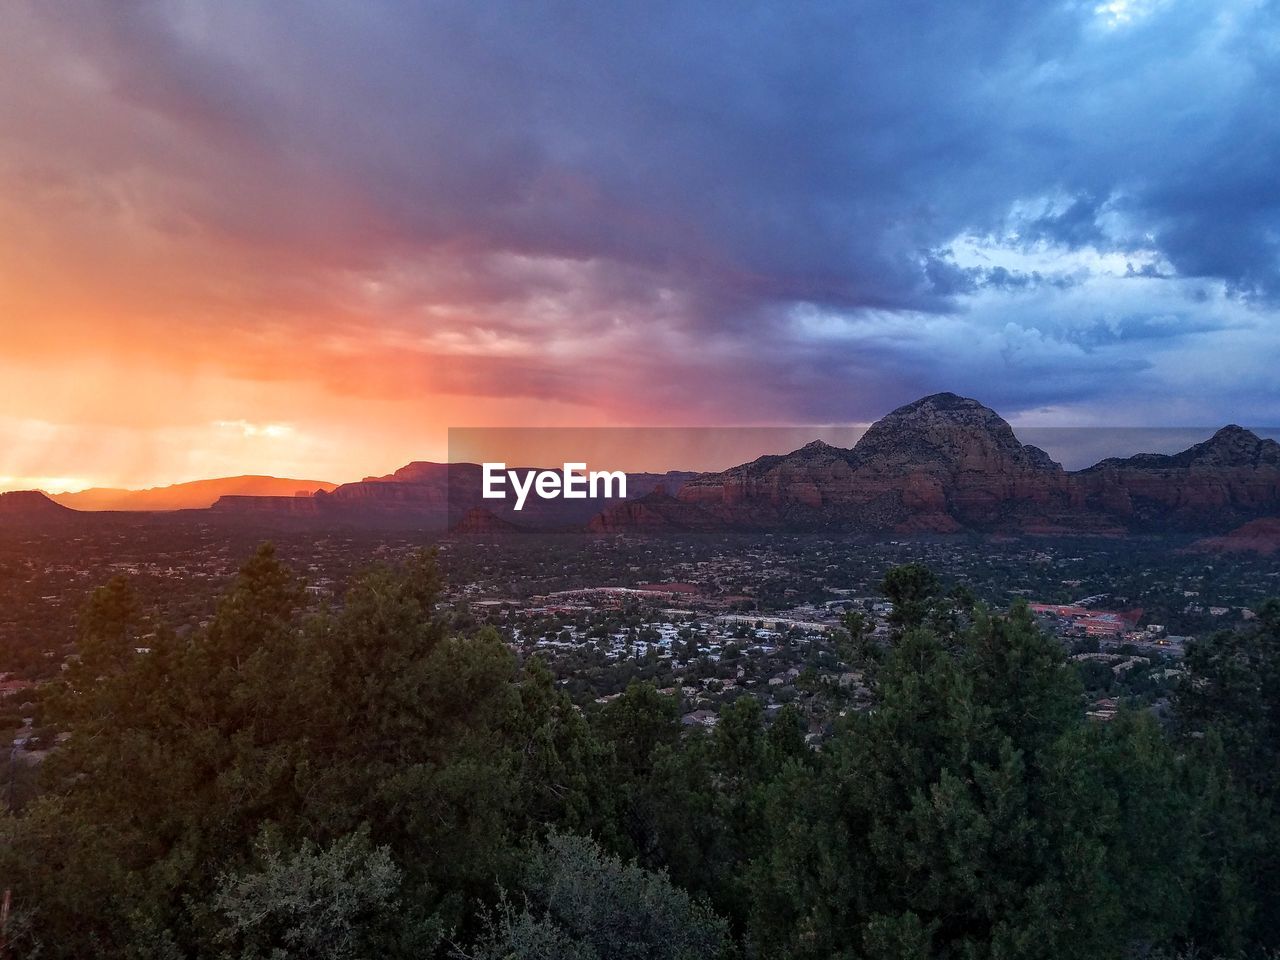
(707, 620)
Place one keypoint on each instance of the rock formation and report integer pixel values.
(946, 463)
(1229, 478)
(480, 523)
(31, 505)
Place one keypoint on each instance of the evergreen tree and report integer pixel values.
(973, 814)
(313, 728)
(109, 629)
(1228, 712)
(581, 904)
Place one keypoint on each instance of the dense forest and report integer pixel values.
(376, 780)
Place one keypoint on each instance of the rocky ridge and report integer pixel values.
(947, 463)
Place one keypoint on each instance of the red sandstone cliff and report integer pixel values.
(1226, 479)
(946, 463)
(930, 466)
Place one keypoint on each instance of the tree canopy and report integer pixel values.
(373, 780)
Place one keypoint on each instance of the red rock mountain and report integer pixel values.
(942, 464)
(935, 465)
(1230, 477)
(946, 463)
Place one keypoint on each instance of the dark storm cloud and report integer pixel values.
(707, 170)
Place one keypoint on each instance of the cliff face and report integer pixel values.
(947, 463)
(1229, 478)
(265, 505)
(948, 455)
(933, 465)
(420, 487)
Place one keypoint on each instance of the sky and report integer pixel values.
(306, 239)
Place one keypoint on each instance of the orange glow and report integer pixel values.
(133, 358)
(182, 296)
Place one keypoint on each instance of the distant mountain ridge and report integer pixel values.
(946, 463)
(939, 465)
(193, 495)
(438, 496)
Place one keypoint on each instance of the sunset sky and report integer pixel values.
(307, 238)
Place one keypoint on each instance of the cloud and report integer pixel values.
(648, 212)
